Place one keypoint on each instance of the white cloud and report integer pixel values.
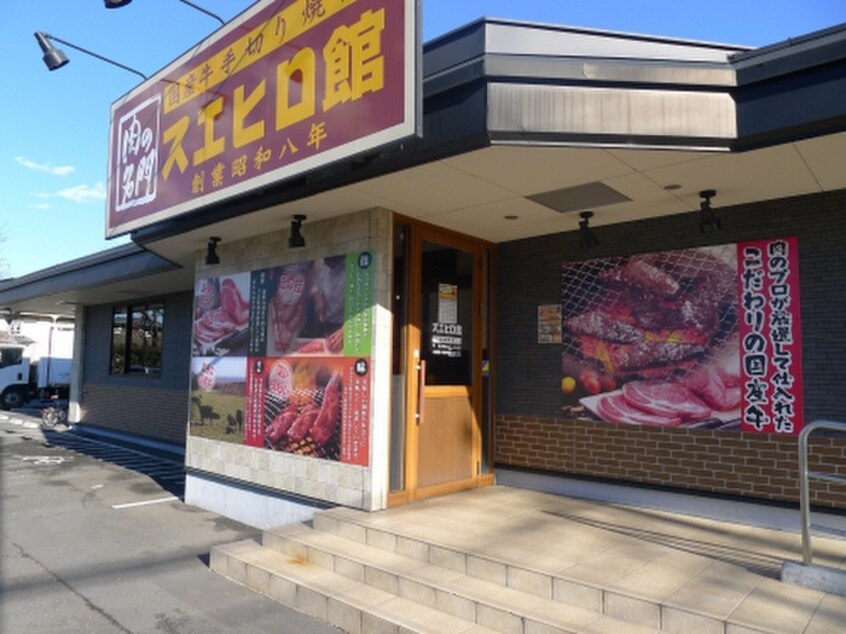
(83, 193)
(59, 170)
(79, 194)
(39, 206)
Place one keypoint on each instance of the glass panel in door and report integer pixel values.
(446, 425)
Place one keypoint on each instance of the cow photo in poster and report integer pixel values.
(654, 339)
(218, 385)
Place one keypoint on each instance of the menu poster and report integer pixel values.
(549, 323)
(302, 383)
(706, 338)
(447, 303)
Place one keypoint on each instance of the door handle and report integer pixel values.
(421, 385)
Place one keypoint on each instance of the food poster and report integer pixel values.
(221, 315)
(220, 335)
(217, 397)
(305, 359)
(703, 338)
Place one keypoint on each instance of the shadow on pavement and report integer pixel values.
(165, 470)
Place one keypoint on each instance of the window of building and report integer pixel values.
(137, 339)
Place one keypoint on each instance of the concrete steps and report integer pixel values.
(513, 561)
(372, 580)
(500, 559)
(349, 605)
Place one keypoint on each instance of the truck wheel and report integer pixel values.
(11, 398)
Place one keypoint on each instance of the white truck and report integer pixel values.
(36, 357)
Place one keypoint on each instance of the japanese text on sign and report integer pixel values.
(138, 156)
(353, 66)
(283, 89)
(279, 30)
(770, 345)
(359, 294)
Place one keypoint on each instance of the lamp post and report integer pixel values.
(117, 4)
(54, 58)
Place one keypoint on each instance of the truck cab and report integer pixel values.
(14, 375)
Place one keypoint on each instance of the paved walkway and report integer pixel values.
(681, 573)
(678, 572)
(94, 539)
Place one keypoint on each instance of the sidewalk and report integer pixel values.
(92, 547)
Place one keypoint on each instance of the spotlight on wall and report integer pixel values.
(211, 251)
(707, 220)
(589, 240)
(296, 239)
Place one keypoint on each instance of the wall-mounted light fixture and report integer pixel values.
(212, 257)
(117, 4)
(54, 58)
(707, 220)
(588, 239)
(296, 240)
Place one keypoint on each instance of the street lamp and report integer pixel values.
(54, 58)
(117, 4)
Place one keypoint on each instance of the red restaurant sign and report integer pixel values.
(286, 87)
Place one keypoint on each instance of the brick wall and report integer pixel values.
(531, 432)
(732, 463)
(154, 407)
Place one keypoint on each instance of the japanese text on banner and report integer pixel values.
(771, 362)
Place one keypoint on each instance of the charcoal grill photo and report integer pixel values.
(667, 320)
(307, 446)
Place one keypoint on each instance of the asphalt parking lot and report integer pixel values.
(96, 538)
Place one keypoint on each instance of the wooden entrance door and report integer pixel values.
(443, 364)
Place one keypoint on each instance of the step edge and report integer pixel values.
(533, 614)
(452, 588)
(560, 576)
(344, 598)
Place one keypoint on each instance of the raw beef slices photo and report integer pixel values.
(665, 398)
(613, 408)
(710, 385)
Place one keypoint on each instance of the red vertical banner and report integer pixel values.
(355, 433)
(254, 403)
(770, 336)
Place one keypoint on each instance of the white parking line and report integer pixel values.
(130, 505)
(41, 460)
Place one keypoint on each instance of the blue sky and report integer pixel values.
(54, 126)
